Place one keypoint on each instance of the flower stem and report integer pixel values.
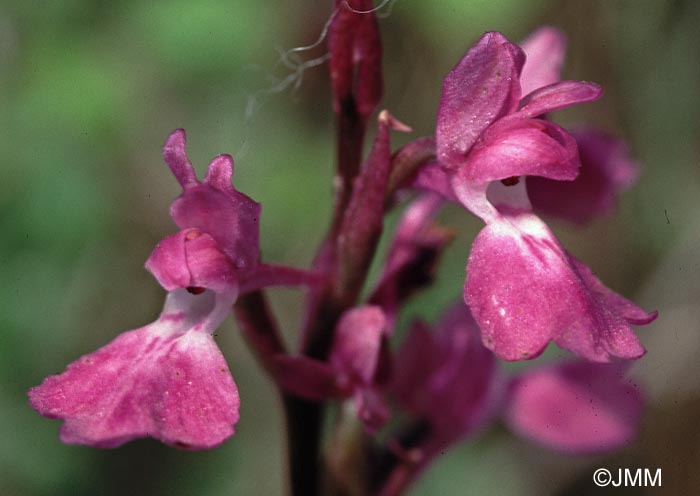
(260, 328)
(303, 418)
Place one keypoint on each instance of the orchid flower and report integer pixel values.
(522, 286)
(168, 380)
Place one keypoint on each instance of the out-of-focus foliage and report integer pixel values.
(89, 91)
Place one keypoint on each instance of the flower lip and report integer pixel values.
(525, 291)
(167, 380)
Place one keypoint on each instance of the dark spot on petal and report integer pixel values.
(510, 181)
(195, 290)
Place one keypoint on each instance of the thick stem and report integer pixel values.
(304, 418)
(262, 334)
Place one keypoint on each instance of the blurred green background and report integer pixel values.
(89, 90)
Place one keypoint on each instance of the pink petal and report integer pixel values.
(481, 88)
(208, 265)
(524, 290)
(167, 380)
(357, 343)
(214, 206)
(191, 259)
(607, 169)
(168, 262)
(522, 147)
(544, 50)
(163, 381)
(618, 304)
(220, 173)
(176, 158)
(558, 96)
(576, 407)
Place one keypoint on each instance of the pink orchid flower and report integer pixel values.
(522, 286)
(168, 380)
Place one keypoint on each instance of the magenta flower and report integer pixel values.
(168, 380)
(575, 407)
(522, 287)
(445, 377)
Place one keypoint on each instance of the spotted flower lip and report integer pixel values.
(167, 380)
(525, 290)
